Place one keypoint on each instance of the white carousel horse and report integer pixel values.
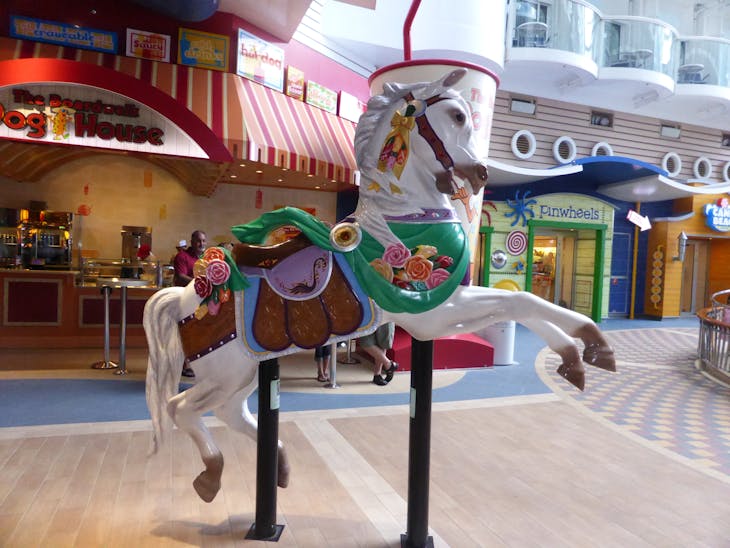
(402, 257)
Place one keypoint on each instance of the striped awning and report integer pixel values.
(284, 132)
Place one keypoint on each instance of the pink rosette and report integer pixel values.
(396, 255)
(218, 271)
(437, 277)
(418, 268)
(213, 307)
(203, 287)
(382, 268)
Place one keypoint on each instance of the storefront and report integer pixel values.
(557, 246)
(128, 141)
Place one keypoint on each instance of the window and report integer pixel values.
(604, 119)
(529, 11)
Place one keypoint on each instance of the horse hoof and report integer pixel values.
(600, 356)
(283, 475)
(206, 487)
(573, 373)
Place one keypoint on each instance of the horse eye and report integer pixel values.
(459, 117)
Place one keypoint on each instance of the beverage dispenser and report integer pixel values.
(46, 239)
(133, 237)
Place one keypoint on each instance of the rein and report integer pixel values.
(426, 131)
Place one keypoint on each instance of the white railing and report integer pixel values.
(714, 344)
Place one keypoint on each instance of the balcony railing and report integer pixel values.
(714, 344)
(704, 61)
(638, 42)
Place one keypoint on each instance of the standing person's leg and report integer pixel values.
(384, 337)
(370, 344)
(322, 362)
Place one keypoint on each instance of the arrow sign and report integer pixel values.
(639, 220)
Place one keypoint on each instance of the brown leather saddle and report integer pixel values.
(303, 299)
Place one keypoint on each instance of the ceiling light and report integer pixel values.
(259, 171)
(280, 180)
(241, 165)
(316, 188)
(310, 175)
(233, 176)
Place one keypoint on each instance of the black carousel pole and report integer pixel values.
(267, 461)
(419, 445)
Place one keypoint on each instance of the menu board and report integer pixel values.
(260, 61)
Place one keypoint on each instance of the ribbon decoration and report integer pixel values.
(394, 154)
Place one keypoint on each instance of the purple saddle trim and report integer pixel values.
(301, 276)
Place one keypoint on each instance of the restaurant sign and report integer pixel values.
(148, 45)
(260, 61)
(86, 116)
(202, 49)
(718, 215)
(52, 32)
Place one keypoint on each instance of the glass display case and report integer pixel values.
(116, 272)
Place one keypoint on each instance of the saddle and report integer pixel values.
(301, 298)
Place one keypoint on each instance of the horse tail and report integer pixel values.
(166, 356)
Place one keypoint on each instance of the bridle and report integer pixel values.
(429, 135)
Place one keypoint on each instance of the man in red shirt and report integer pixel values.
(185, 259)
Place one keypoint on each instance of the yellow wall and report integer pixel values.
(128, 191)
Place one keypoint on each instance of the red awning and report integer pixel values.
(288, 133)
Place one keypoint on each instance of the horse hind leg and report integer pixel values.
(236, 415)
(597, 351)
(186, 410)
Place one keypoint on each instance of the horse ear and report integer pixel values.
(453, 77)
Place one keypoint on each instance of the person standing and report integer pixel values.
(376, 345)
(183, 264)
(185, 259)
(322, 358)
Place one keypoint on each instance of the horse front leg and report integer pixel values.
(186, 410)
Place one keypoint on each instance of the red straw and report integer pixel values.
(407, 29)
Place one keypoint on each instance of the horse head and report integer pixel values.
(418, 131)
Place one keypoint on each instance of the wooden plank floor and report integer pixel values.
(530, 471)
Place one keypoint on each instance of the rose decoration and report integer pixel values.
(382, 268)
(396, 254)
(214, 253)
(418, 268)
(437, 277)
(203, 287)
(426, 251)
(218, 271)
(213, 307)
(199, 267)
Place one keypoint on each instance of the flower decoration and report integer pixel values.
(212, 273)
(519, 266)
(415, 269)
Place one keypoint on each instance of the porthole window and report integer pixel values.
(602, 149)
(726, 172)
(523, 144)
(702, 168)
(564, 150)
(672, 164)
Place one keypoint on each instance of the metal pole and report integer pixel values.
(123, 333)
(348, 359)
(267, 461)
(333, 367)
(105, 363)
(419, 445)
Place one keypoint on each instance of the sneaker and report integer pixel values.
(389, 372)
(380, 381)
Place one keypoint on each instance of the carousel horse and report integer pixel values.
(402, 257)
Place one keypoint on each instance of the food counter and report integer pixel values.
(65, 309)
